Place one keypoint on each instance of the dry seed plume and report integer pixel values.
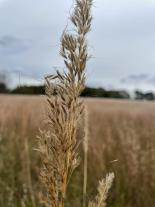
(58, 145)
(103, 189)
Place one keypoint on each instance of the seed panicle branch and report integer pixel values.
(103, 189)
(58, 145)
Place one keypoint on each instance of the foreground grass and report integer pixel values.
(121, 140)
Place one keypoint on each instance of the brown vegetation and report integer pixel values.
(121, 140)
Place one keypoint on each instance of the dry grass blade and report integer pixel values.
(103, 189)
(85, 149)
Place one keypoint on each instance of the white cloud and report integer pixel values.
(122, 40)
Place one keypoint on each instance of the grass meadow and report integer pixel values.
(121, 140)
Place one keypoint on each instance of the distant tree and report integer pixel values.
(3, 88)
(139, 95)
(118, 94)
(102, 93)
(149, 96)
(93, 92)
(3, 82)
(31, 90)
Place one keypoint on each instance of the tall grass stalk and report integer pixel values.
(28, 171)
(58, 144)
(85, 150)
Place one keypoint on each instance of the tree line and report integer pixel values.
(88, 92)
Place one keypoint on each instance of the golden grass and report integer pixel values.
(121, 139)
(58, 142)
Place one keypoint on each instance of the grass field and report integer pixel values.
(121, 139)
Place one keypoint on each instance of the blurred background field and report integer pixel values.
(121, 139)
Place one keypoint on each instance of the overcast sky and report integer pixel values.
(122, 41)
